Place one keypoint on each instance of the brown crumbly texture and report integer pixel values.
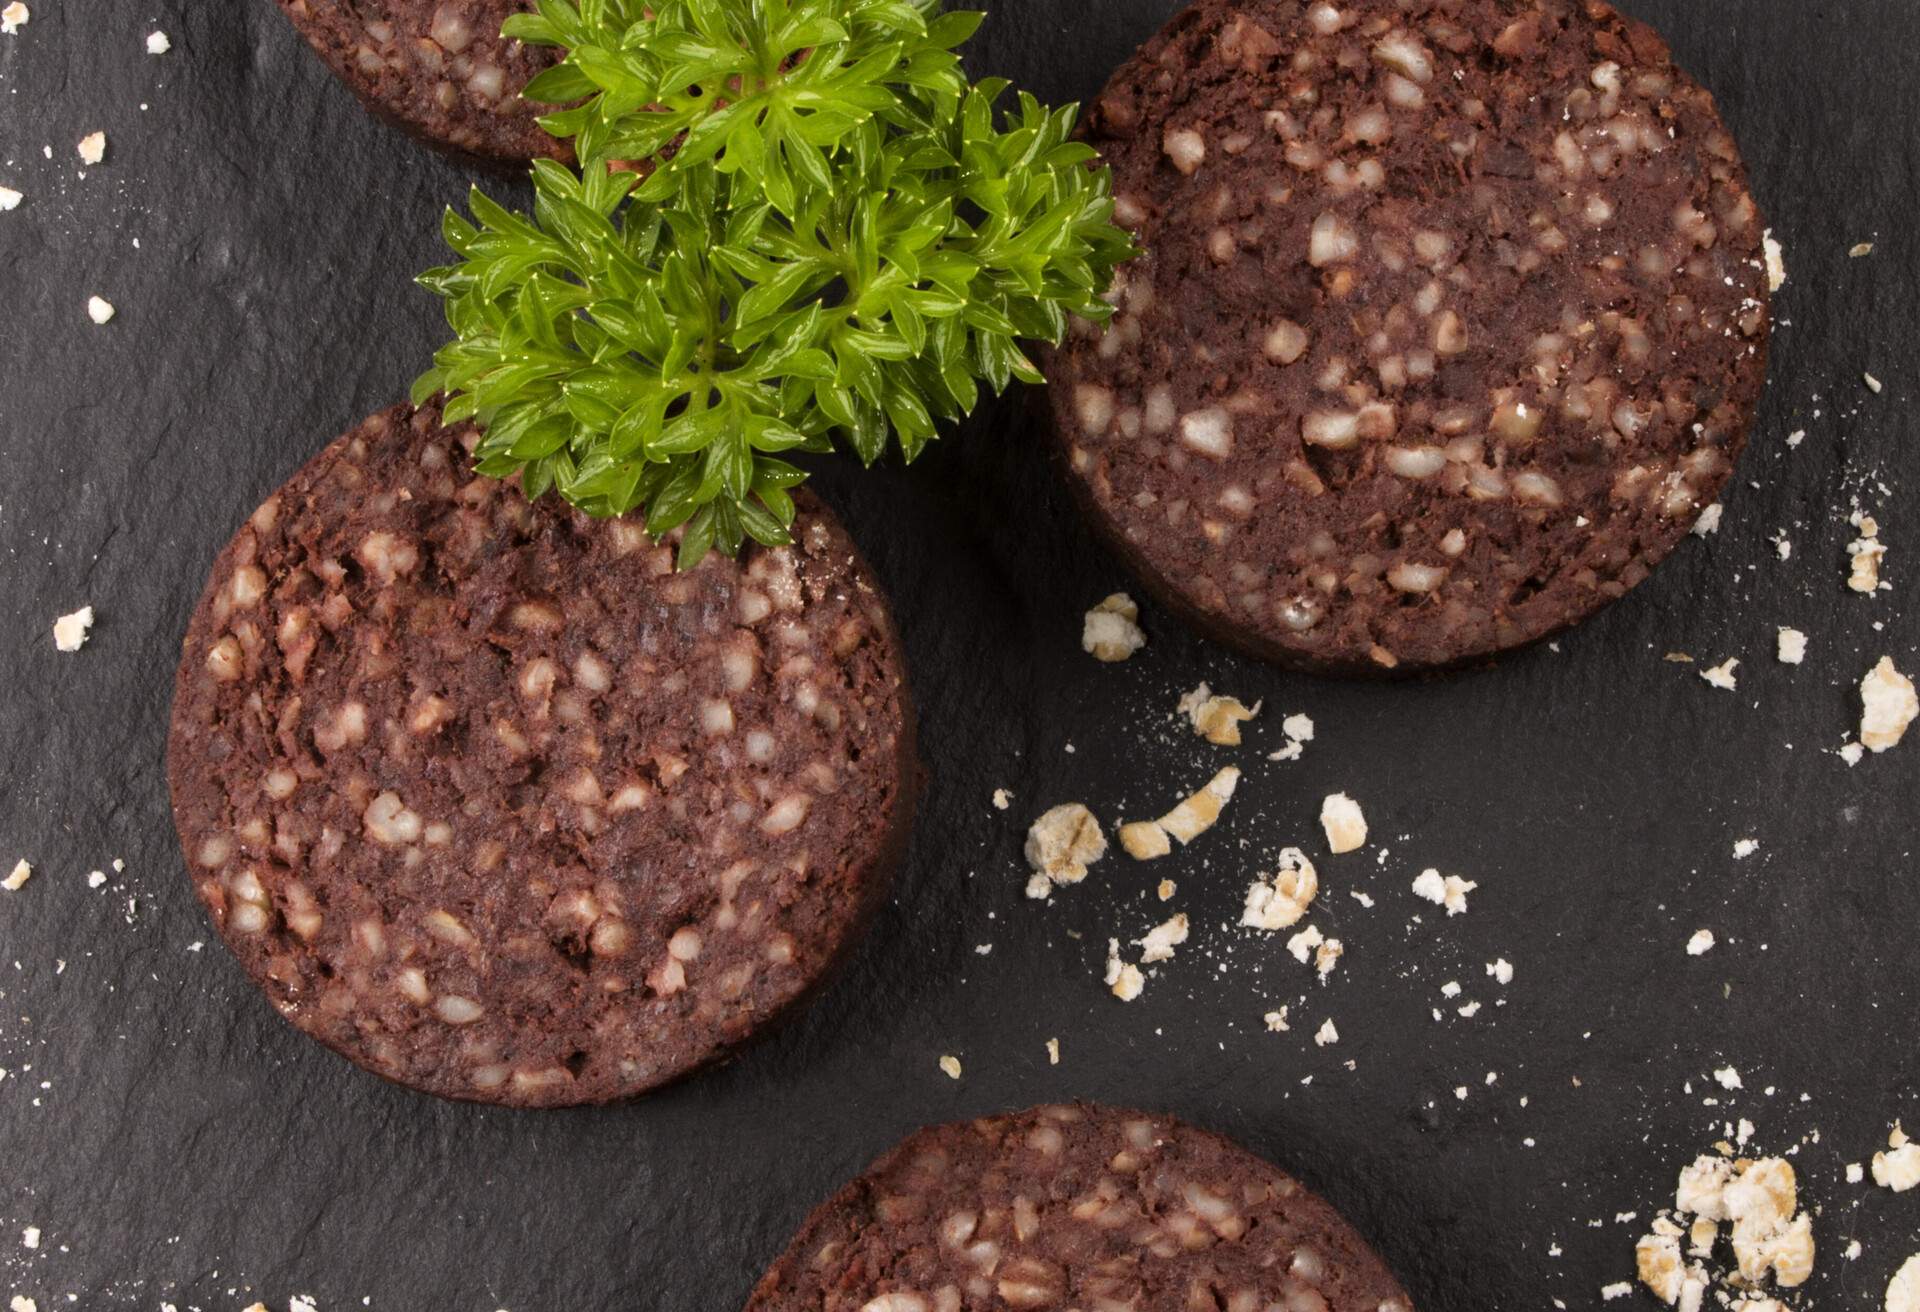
(437, 69)
(1451, 321)
(489, 799)
(1075, 1207)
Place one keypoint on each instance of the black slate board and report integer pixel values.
(176, 1142)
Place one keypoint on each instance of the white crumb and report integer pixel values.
(17, 878)
(70, 631)
(92, 147)
(1061, 844)
(1002, 799)
(1123, 978)
(1345, 826)
(1449, 891)
(1903, 1291)
(1727, 1078)
(30, 1237)
(99, 309)
(1709, 521)
(1162, 939)
(95, 878)
(1501, 970)
(1053, 1052)
(158, 44)
(1898, 1168)
(1701, 943)
(1888, 704)
(1873, 384)
(9, 199)
(1721, 675)
(1110, 631)
(1326, 1034)
(1276, 1021)
(1791, 646)
(1745, 847)
(1776, 261)
(14, 17)
(951, 1065)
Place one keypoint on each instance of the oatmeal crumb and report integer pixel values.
(1898, 1168)
(1197, 814)
(1866, 552)
(1166, 890)
(1345, 826)
(1326, 1034)
(1282, 901)
(1216, 718)
(1888, 704)
(1722, 675)
(1776, 261)
(1143, 840)
(92, 147)
(1162, 939)
(1111, 630)
(951, 1065)
(1053, 1052)
(1002, 799)
(70, 631)
(1903, 1291)
(1859, 249)
(20, 874)
(1449, 891)
(14, 17)
(1123, 978)
(1276, 1021)
(1061, 844)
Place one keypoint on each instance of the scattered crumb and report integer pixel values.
(1888, 704)
(1501, 970)
(1326, 1034)
(1898, 1168)
(14, 17)
(1345, 826)
(1721, 675)
(1769, 1235)
(99, 309)
(1852, 753)
(1701, 943)
(1162, 939)
(1859, 249)
(1855, 1173)
(1867, 551)
(21, 1303)
(1299, 731)
(1053, 1052)
(1791, 646)
(9, 198)
(1123, 978)
(158, 44)
(1276, 1021)
(1215, 718)
(1326, 956)
(1302, 945)
(95, 878)
(70, 631)
(1745, 847)
(1111, 631)
(1903, 1291)
(1281, 902)
(1796, 437)
(1146, 839)
(1709, 521)
(1873, 384)
(1449, 891)
(30, 1237)
(1776, 262)
(1727, 1078)
(1619, 1289)
(92, 147)
(18, 877)
(301, 1303)
(951, 1065)
(1061, 844)
(1002, 799)
(1166, 889)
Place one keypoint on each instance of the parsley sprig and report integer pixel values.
(793, 224)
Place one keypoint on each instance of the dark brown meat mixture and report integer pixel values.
(1076, 1206)
(437, 68)
(1452, 319)
(492, 801)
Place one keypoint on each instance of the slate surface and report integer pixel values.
(177, 1143)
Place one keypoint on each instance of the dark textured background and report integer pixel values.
(177, 1142)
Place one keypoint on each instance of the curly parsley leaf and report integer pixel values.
(795, 225)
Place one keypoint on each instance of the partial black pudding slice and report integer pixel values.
(1076, 1207)
(438, 69)
(1451, 321)
(489, 799)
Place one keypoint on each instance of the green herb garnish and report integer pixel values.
(794, 223)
